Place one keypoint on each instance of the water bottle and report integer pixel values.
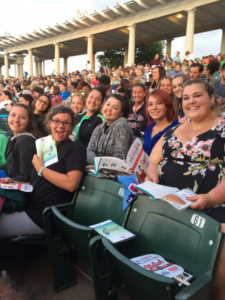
(5, 278)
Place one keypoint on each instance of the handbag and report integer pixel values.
(14, 201)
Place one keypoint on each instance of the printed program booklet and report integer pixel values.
(137, 159)
(109, 163)
(174, 196)
(113, 231)
(47, 146)
(17, 186)
(157, 264)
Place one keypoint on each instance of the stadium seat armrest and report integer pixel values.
(75, 225)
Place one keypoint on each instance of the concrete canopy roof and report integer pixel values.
(155, 20)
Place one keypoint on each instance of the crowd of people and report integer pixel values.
(176, 105)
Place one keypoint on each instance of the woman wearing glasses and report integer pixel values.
(52, 185)
(40, 107)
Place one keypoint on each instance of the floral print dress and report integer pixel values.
(198, 164)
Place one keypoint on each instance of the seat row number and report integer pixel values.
(121, 192)
(198, 221)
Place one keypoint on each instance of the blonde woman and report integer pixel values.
(78, 102)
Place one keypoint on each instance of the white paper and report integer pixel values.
(157, 264)
(109, 163)
(182, 194)
(17, 186)
(134, 156)
(156, 190)
(173, 196)
(112, 231)
(47, 146)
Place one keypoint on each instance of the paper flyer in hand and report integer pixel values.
(47, 146)
(109, 163)
(174, 196)
(134, 156)
(113, 231)
(17, 186)
(157, 264)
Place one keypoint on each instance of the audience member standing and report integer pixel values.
(155, 61)
(177, 57)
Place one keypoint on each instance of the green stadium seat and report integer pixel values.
(6, 127)
(160, 229)
(98, 200)
(3, 121)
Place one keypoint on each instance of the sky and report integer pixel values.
(35, 14)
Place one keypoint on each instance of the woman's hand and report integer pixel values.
(154, 178)
(90, 167)
(201, 201)
(6, 180)
(38, 162)
(9, 106)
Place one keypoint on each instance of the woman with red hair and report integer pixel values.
(159, 108)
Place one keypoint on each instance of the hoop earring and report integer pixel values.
(212, 104)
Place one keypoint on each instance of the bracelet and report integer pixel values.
(39, 173)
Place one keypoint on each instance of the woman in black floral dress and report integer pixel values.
(192, 155)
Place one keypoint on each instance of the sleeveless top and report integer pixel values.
(198, 164)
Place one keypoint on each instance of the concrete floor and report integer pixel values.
(31, 274)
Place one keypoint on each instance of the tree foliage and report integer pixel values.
(143, 54)
(112, 58)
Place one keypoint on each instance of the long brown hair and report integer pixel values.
(31, 127)
(177, 103)
(47, 108)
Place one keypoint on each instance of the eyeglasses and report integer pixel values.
(42, 102)
(57, 122)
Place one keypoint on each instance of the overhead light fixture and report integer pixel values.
(128, 28)
(179, 16)
(61, 45)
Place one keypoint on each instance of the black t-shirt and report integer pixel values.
(39, 121)
(71, 156)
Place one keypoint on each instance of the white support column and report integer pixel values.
(131, 45)
(90, 49)
(30, 62)
(43, 68)
(57, 57)
(222, 50)
(190, 30)
(21, 70)
(93, 62)
(65, 65)
(18, 70)
(169, 46)
(39, 68)
(36, 68)
(6, 63)
(15, 69)
(125, 56)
